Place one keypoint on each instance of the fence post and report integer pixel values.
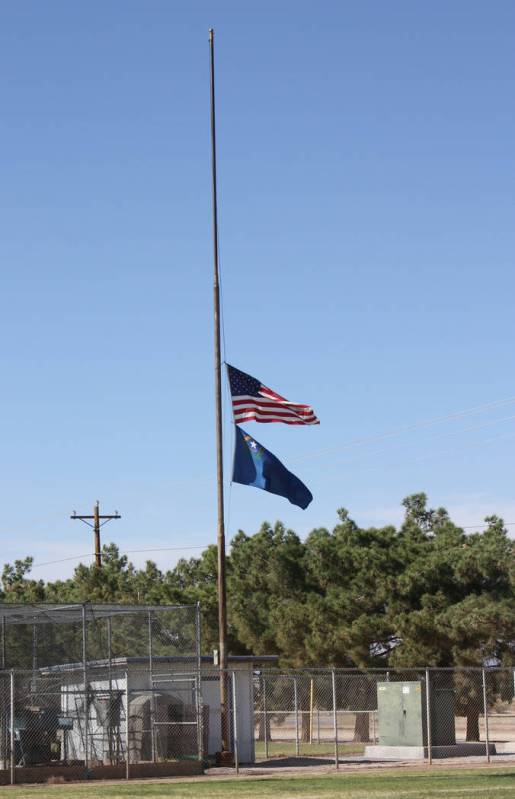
(235, 724)
(3, 642)
(127, 728)
(200, 700)
(153, 696)
(318, 724)
(266, 720)
(85, 676)
(110, 680)
(335, 721)
(12, 745)
(485, 706)
(428, 718)
(200, 717)
(311, 707)
(296, 707)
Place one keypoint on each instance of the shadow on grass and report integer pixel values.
(306, 762)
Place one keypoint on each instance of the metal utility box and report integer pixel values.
(401, 710)
(443, 712)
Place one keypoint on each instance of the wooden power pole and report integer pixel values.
(98, 521)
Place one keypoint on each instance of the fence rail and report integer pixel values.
(347, 712)
(120, 722)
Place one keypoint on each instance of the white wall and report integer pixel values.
(139, 679)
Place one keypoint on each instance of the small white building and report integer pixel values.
(173, 714)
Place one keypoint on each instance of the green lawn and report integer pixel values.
(479, 784)
(287, 749)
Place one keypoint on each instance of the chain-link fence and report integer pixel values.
(120, 723)
(123, 719)
(49, 635)
(94, 691)
(389, 714)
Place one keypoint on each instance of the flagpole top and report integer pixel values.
(211, 34)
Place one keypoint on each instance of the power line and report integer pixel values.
(127, 552)
(449, 433)
(202, 546)
(483, 524)
(408, 428)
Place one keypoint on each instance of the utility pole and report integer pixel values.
(98, 521)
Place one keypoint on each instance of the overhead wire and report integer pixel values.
(447, 434)
(126, 552)
(203, 547)
(461, 414)
(408, 428)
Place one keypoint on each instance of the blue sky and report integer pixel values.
(366, 182)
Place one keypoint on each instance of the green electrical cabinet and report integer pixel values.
(443, 712)
(401, 710)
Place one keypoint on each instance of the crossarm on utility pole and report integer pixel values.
(98, 521)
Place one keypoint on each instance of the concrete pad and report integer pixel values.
(421, 752)
(505, 747)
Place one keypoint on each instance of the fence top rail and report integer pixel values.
(375, 670)
(51, 613)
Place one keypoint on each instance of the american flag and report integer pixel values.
(252, 401)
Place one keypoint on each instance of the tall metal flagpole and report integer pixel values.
(222, 608)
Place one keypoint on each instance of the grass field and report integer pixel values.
(326, 749)
(477, 784)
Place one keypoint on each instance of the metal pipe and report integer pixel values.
(12, 745)
(110, 676)
(296, 706)
(198, 632)
(34, 647)
(151, 681)
(235, 724)
(85, 675)
(335, 721)
(485, 704)
(127, 729)
(266, 719)
(428, 718)
(176, 723)
(221, 580)
(150, 652)
(3, 643)
(311, 706)
(200, 718)
(198, 686)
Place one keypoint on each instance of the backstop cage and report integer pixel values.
(93, 691)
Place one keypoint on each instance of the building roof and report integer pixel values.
(182, 660)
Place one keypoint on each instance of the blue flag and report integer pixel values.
(256, 466)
